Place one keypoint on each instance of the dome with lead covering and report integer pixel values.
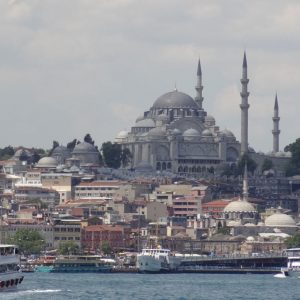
(239, 206)
(47, 162)
(280, 220)
(191, 133)
(86, 153)
(175, 99)
(61, 153)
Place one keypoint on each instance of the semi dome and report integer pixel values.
(206, 132)
(227, 133)
(145, 123)
(157, 132)
(175, 99)
(191, 133)
(176, 131)
(122, 134)
(239, 206)
(280, 220)
(47, 162)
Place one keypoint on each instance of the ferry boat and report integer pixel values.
(156, 261)
(293, 263)
(10, 274)
(79, 264)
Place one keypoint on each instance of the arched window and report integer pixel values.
(164, 166)
(169, 166)
(185, 170)
(158, 166)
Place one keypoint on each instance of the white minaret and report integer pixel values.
(276, 130)
(244, 108)
(245, 184)
(199, 87)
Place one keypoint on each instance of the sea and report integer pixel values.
(53, 286)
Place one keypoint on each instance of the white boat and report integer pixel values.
(157, 260)
(10, 274)
(293, 264)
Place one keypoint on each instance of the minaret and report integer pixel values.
(276, 130)
(244, 108)
(199, 87)
(245, 184)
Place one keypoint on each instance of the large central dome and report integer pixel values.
(175, 99)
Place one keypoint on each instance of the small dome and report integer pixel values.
(191, 133)
(175, 99)
(145, 123)
(227, 133)
(176, 131)
(239, 206)
(280, 220)
(157, 132)
(206, 132)
(288, 154)
(250, 238)
(162, 118)
(209, 118)
(122, 134)
(47, 162)
(140, 118)
(61, 150)
(84, 147)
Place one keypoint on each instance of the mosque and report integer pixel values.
(176, 134)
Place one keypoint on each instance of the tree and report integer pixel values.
(88, 139)
(71, 145)
(29, 241)
(54, 145)
(7, 152)
(35, 157)
(293, 241)
(68, 248)
(112, 154)
(293, 166)
(251, 164)
(106, 248)
(126, 157)
(267, 165)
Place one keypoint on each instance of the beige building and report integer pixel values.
(66, 230)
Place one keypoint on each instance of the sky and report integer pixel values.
(71, 67)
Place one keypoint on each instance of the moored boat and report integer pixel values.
(80, 264)
(10, 273)
(293, 263)
(157, 260)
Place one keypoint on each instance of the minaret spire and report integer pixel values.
(199, 87)
(276, 130)
(244, 108)
(245, 184)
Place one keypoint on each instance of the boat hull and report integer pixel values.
(10, 281)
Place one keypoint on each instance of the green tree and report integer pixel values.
(71, 145)
(293, 166)
(7, 152)
(106, 248)
(68, 248)
(293, 241)
(88, 139)
(29, 241)
(267, 165)
(35, 157)
(126, 157)
(111, 154)
(54, 145)
(251, 164)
